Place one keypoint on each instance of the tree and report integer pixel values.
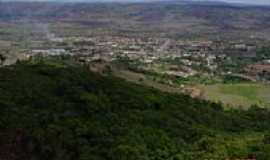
(2, 59)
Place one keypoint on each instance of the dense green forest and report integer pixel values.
(63, 112)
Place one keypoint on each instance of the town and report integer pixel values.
(180, 58)
(179, 64)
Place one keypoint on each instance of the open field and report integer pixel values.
(245, 94)
(139, 78)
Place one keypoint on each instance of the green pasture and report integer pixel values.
(242, 94)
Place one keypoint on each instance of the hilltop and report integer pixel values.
(59, 111)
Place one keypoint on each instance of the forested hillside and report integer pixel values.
(60, 112)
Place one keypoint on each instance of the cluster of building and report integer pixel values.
(140, 47)
(146, 50)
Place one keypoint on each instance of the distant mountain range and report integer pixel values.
(177, 18)
(257, 2)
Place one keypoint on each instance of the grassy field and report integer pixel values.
(234, 95)
(245, 94)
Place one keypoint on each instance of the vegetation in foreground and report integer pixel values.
(58, 112)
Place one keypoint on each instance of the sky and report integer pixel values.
(261, 2)
(248, 1)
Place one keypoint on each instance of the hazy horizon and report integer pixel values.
(260, 2)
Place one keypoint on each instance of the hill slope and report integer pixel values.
(173, 18)
(61, 112)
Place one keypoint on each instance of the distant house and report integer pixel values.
(49, 52)
(241, 50)
(260, 71)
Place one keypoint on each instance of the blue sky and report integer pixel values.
(262, 2)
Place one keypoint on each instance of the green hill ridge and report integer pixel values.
(62, 112)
